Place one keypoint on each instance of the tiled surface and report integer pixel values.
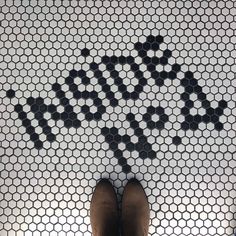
(117, 89)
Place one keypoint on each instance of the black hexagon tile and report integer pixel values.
(117, 90)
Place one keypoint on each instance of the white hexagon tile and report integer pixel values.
(117, 89)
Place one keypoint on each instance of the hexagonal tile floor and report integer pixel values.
(117, 89)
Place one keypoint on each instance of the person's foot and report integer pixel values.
(135, 210)
(104, 210)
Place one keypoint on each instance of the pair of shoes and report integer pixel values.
(104, 215)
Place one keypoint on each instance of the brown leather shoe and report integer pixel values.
(104, 210)
(135, 210)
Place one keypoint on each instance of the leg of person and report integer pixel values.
(135, 210)
(104, 210)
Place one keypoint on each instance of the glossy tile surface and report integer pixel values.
(117, 89)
